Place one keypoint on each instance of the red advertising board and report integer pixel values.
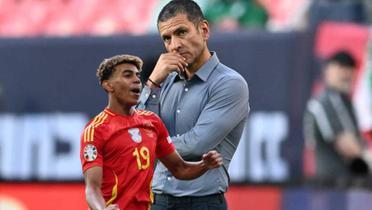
(22, 196)
(42, 196)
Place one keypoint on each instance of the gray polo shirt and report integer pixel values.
(207, 112)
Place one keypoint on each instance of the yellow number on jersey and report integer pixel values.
(142, 154)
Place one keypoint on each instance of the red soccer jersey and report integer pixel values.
(125, 147)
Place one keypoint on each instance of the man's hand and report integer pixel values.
(167, 63)
(347, 144)
(212, 159)
(112, 207)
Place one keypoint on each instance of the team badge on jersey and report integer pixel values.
(90, 152)
(135, 135)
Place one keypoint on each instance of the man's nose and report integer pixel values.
(175, 44)
(137, 79)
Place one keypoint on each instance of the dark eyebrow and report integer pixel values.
(129, 71)
(178, 30)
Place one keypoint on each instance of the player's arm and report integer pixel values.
(93, 194)
(190, 170)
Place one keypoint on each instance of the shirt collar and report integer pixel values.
(207, 68)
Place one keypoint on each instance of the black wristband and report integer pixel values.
(154, 83)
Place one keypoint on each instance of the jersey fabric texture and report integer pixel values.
(125, 147)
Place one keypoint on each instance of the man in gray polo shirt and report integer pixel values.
(203, 103)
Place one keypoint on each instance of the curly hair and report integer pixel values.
(107, 67)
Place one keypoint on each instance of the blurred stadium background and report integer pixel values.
(50, 49)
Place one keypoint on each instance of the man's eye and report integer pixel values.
(182, 33)
(166, 39)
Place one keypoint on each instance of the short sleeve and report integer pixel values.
(164, 145)
(91, 146)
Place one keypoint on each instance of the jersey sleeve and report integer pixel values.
(91, 147)
(164, 145)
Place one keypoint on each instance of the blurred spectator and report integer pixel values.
(230, 15)
(330, 125)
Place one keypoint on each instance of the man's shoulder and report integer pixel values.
(321, 97)
(227, 73)
(317, 104)
(227, 79)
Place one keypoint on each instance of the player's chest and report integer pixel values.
(128, 140)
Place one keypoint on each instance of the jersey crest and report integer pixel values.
(135, 134)
(90, 152)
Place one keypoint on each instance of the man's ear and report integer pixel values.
(204, 29)
(107, 86)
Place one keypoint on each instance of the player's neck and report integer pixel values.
(120, 109)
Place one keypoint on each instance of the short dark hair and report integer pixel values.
(175, 7)
(343, 58)
(107, 67)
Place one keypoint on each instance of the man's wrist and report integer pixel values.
(152, 83)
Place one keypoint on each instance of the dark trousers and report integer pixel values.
(209, 202)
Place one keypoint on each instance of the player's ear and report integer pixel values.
(107, 86)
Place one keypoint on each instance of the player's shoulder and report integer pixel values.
(96, 126)
(99, 120)
(146, 113)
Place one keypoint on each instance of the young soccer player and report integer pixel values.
(119, 145)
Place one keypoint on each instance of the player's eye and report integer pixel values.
(127, 75)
